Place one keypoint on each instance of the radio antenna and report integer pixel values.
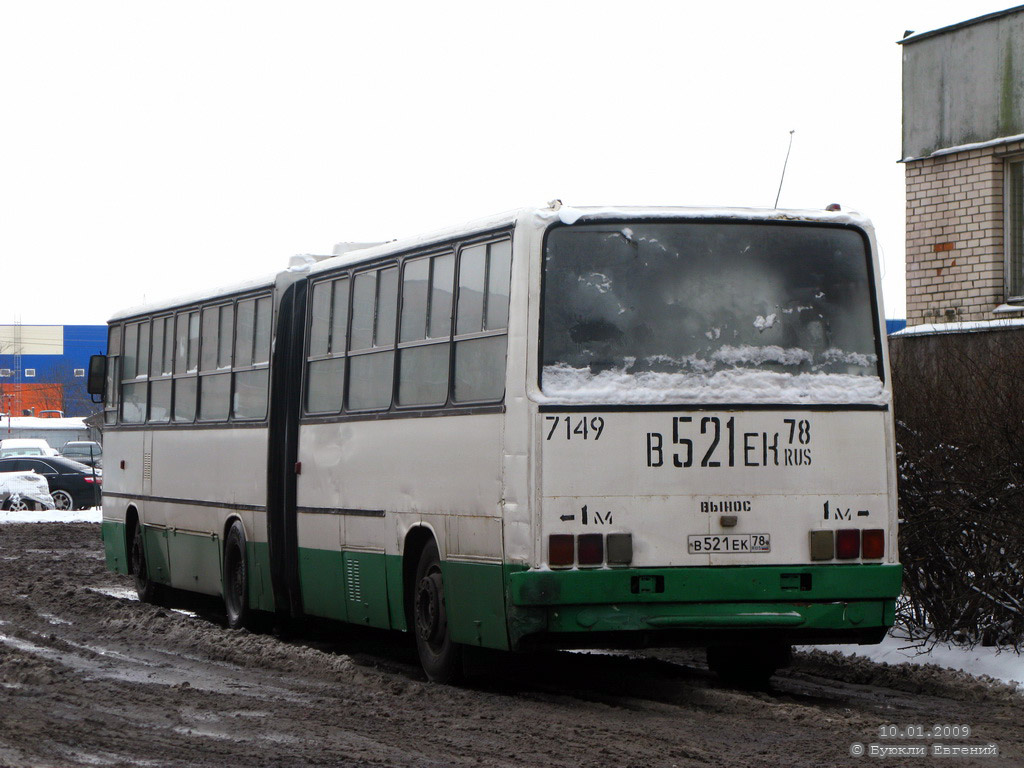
(790, 149)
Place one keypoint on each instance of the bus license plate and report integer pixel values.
(731, 543)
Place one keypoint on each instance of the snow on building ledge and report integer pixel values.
(932, 329)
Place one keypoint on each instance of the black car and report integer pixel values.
(84, 451)
(72, 485)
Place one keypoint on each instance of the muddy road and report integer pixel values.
(91, 677)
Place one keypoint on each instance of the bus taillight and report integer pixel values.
(848, 544)
(873, 544)
(620, 548)
(591, 549)
(561, 550)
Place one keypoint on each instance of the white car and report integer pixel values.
(21, 491)
(26, 446)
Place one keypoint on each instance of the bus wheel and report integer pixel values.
(147, 589)
(440, 657)
(236, 578)
(747, 666)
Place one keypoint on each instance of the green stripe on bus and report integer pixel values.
(115, 548)
(850, 617)
(350, 586)
(475, 597)
(697, 584)
(366, 588)
(261, 592)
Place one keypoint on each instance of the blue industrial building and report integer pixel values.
(43, 367)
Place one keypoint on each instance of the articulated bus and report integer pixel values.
(561, 427)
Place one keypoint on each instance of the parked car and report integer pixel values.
(83, 451)
(30, 450)
(21, 491)
(72, 485)
(26, 446)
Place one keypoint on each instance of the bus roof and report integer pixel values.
(542, 217)
(265, 281)
(539, 218)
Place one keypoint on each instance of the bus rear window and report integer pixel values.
(709, 312)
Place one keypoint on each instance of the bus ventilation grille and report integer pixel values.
(353, 584)
(147, 466)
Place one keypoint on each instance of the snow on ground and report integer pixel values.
(93, 515)
(999, 663)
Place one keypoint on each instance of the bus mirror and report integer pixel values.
(97, 375)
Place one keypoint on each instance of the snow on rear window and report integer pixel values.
(708, 312)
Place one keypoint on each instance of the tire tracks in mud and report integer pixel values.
(89, 677)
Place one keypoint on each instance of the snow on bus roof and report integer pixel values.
(540, 217)
(265, 281)
(570, 215)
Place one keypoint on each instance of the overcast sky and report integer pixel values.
(154, 148)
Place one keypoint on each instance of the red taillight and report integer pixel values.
(560, 550)
(91, 479)
(591, 549)
(873, 544)
(848, 544)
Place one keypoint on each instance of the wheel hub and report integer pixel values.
(428, 608)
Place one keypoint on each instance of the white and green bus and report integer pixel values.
(558, 427)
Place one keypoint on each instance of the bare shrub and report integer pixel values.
(959, 405)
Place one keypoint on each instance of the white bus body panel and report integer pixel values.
(634, 479)
(443, 472)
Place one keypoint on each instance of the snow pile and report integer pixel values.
(565, 384)
(94, 515)
(998, 663)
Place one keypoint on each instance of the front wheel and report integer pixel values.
(236, 579)
(440, 658)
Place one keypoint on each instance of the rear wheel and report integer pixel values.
(440, 657)
(62, 500)
(236, 579)
(147, 589)
(747, 666)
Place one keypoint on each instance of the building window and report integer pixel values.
(1015, 230)
(30, 373)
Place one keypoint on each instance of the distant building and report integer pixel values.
(43, 368)
(963, 147)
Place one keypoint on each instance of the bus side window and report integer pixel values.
(251, 373)
(215, 363)
(186, 357)
(135, 373)
(113, 388)
(425, 339)
(328, 329)
(481, 322)
(160, 370)
(372, 356)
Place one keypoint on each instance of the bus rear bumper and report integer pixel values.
(699, 606)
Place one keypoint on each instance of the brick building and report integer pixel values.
(963, 150)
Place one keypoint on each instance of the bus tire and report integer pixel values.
(747, 666)
(236, 579)
(147, 589)
(440, 658)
